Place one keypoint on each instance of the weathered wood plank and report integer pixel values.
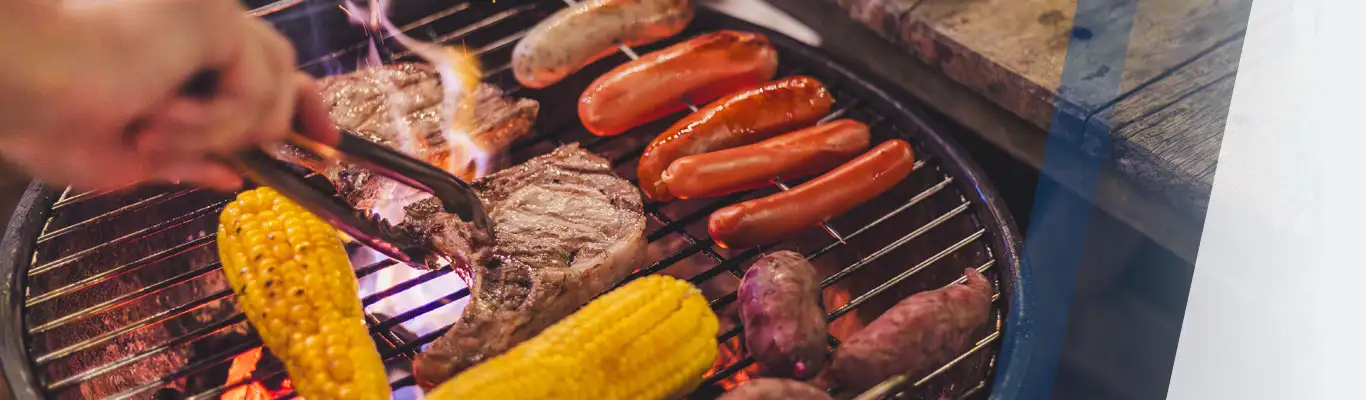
(1175, 159)
(1012, 51)
(1175, 149)
(1170, 33)
(1219, 63)
(883, 16)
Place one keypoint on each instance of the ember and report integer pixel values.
(728, 355)
(836, 297)
(242, 368)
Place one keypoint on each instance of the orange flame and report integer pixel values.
(241, 369)
(460, 75)
(836, 297)
(728, 354)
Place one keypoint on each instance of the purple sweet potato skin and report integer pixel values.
(781, 312)
(916, 335)
(775, 389)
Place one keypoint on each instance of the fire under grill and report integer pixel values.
(119, 294)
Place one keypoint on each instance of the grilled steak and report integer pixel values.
(565, 229)
(373, 101)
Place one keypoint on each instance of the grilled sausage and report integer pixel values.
(793, 155)
(775, 389)
(914, 336)
(739, 119)
(698, 70)
(781, 311)
(585, 32)
(769, 219)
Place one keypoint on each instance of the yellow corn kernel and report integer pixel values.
(296, 285)
(652, 338)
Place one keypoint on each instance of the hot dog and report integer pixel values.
(915, 335)
(775, 389)
(698, 70)
(585, 32)
(792, 155)
(781, 311)
(739, 119)
(769, 219)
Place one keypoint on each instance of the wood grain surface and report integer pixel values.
(1012, 52)
(1167, 136)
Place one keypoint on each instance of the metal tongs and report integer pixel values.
(456, 196)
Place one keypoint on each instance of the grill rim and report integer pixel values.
(16, 256)
(36, 205)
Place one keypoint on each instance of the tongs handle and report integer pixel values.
(456, 196)
(266, 170)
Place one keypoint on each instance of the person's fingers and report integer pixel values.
(218, 177)
(274, 118)
(174, 130)
(204, 173)
(311, 118)
(172, 146)
(118, 166)
(245, 85)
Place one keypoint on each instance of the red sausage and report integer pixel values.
(793, 155)
(772, 218)
(698, 70)
(739, 119)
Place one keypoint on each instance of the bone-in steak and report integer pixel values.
(565, 230)
(399, 106)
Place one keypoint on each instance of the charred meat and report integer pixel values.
(565, 230)
(400, 106)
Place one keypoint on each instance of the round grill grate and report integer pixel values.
(118, 293)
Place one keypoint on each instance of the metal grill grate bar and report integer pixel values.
(973, 390)
(903, 240)
(101, 370)
(139, 205)
(147, 321)
(902, 276)
(749, 360)
(126, 298)
(191, 368)
(669, 226)
(82, 197)
(138, 234)
(980, 345)
(878, 254)
(111, 273)
(405, 285)
(375, 329)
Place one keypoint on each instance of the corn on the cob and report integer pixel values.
(652, 338)
(293, 280)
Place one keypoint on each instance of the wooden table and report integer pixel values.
(1166, 123)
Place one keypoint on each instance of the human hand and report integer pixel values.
(94, 98)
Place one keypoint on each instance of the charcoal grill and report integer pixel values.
(118, 293)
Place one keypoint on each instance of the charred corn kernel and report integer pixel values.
(652, 338)
(294, 282)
